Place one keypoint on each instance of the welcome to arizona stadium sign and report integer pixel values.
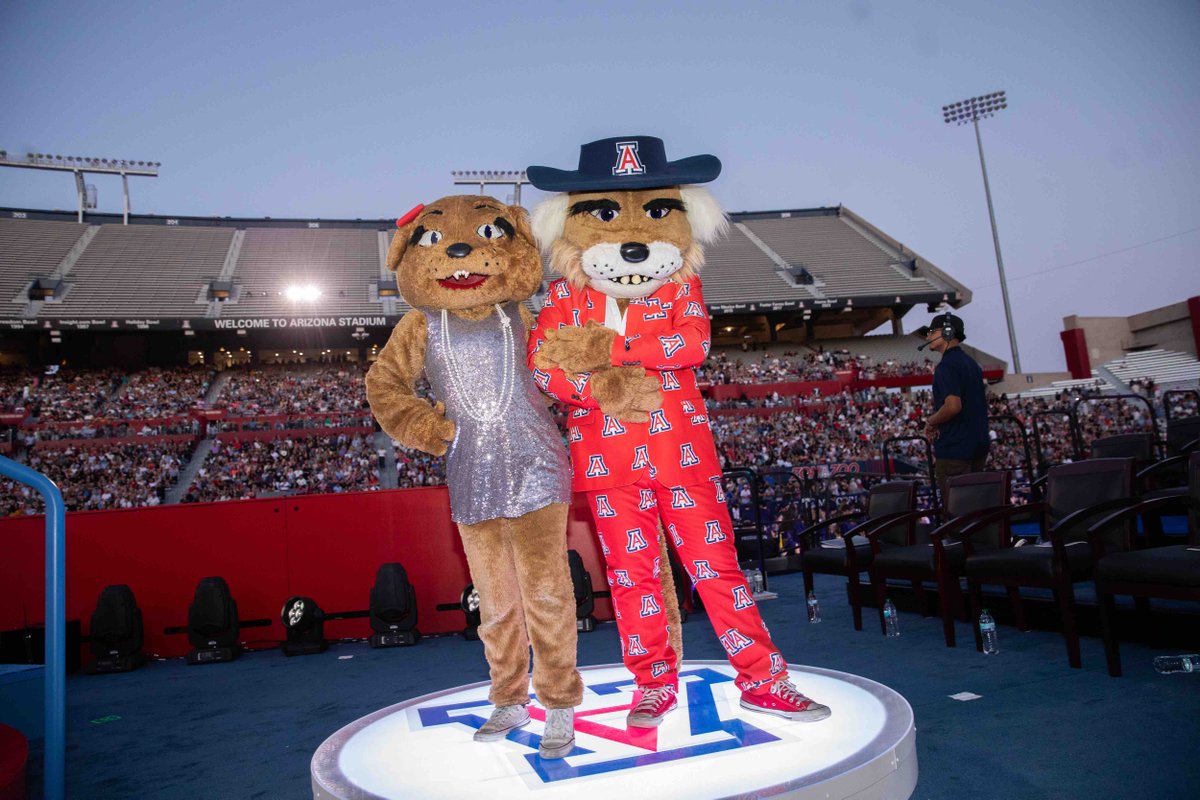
(233, 324)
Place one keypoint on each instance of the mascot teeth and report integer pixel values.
(461, 274)
(627, 280)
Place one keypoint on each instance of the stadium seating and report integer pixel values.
(143, 271)
(342, 262)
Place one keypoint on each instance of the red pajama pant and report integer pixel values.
(698, 525)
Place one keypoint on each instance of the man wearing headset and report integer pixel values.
(958, 427)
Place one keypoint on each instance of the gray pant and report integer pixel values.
(946, 468)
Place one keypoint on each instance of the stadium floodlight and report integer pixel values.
(503, 177)
(972, 110)
(83, 164)
(302, 294)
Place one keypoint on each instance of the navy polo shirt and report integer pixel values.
(965, 436)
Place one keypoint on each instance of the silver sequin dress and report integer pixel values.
(510, 466)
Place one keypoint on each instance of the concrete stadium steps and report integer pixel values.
(136, 271)
(1166, 368)
(29, 250)
(846, 261)
(344, 263)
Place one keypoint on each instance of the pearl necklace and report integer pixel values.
(482, 411)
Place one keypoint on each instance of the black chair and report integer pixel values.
(1138, 446)
(941, 560)
(885, 502)
(1076, 495)
(1169, 572)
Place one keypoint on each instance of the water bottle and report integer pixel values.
(891, 625)
(756, 581)
(1169, 664)
(814, 608)
(987, 628)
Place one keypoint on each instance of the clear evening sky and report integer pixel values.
(362, 110)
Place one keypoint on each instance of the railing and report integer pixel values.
(54, 787)
(934, 490)
(1111, 398)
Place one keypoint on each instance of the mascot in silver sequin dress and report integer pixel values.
(465, 263)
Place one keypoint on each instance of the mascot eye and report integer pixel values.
(429, 238)
(606, 214)
(657, 212)
(489, 231)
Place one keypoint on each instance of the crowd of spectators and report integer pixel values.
(824, 434)
(93, 477)
(243, 469)
(791, 366)
(271, 390)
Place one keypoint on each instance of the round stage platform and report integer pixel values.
(709, 747)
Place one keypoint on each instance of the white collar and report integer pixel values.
(614, 318)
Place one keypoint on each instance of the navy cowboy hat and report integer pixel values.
(625, 162)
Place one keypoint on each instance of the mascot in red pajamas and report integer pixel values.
(618, 340)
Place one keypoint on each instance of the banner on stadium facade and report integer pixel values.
(201, 324)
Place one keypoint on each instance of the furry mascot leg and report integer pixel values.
(525, 598)
(670, 596)
(539, 547)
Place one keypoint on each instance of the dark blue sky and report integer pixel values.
(312, 110)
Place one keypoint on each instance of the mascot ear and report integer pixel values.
(549, 218)
(708, 221)
(404, 230)
(520, 218)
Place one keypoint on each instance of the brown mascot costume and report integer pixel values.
(465, 264)
(618, 339)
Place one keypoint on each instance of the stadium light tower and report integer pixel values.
(84, 164)
(972, 110)
(514, 178)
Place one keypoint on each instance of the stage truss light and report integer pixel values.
(393, 608)
(116, 633)
(304, 622)
(213, 627)
(469, 603)
(585, 602)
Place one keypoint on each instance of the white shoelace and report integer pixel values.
(651, 698)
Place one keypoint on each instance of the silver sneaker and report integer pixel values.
(503, 721)
(559, 737)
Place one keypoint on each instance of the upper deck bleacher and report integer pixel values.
(842, 258)
(31, 250)
(160, 267)
(342, 263)
(142, 271)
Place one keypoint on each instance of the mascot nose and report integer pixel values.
(459, 250)
(634, 252)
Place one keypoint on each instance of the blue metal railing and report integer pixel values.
(54, 783)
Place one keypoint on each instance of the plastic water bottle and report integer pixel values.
(814, 608)
(1169, 664)
(987, 628)
(891, 625)
(756, 581)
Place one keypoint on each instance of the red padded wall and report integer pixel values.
(324, 546)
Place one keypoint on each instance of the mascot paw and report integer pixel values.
(437, 432)
(576, 350)
(627, 393)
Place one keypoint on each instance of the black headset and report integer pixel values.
(949, 329)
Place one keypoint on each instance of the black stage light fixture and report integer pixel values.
(213, 627)
(470, 606)
(304, 622)
(116, 634)
(585, 602)
(393, 611)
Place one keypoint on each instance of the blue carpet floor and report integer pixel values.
(1039, 730)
